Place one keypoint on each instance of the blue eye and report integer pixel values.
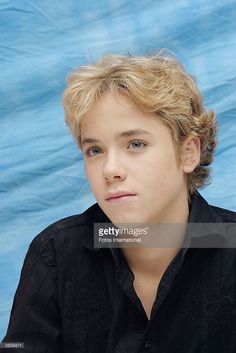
(137, 145)
(133, 145)
(94, 151)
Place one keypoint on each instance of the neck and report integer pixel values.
(149, 262)
(152, 262)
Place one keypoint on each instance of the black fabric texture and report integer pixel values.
(74, 298)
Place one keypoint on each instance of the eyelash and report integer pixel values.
(96, 147)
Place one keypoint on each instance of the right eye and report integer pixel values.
(92, 151)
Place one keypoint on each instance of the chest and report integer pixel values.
(146, 290)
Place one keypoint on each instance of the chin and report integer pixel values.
(125, 218)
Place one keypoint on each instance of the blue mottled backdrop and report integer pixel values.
(41, 170)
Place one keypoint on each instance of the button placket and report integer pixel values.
(147, 344)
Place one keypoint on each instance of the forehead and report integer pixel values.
(116, 118)
(118, 112)
(111, 103)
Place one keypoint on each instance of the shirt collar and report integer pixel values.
(205, 226)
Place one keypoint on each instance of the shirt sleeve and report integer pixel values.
(35, 317)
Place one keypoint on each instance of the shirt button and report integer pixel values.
(147, 344)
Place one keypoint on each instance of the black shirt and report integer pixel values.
(74, 298)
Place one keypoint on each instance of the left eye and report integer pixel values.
(137, 144)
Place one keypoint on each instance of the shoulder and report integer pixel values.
(72, 224)
(225, 226)
(227, 216)
(203, 212)
(64, 237)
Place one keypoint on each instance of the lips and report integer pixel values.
(119, 195)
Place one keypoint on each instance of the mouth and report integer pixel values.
(121, 198)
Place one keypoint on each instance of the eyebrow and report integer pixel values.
(120, 135)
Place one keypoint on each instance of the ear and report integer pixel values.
(190, 153)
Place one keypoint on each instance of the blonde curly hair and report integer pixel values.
(158, 84)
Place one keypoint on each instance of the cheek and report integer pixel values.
(90, 168)
(158, 167)
(95, 179)
(162, 172)
(89, 171)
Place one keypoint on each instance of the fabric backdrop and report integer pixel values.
(41, 169)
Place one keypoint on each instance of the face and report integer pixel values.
(131, 164)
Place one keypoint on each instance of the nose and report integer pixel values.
(113, 169)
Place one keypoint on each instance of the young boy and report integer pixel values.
(147, 143)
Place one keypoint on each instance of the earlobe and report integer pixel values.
(190, 156)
